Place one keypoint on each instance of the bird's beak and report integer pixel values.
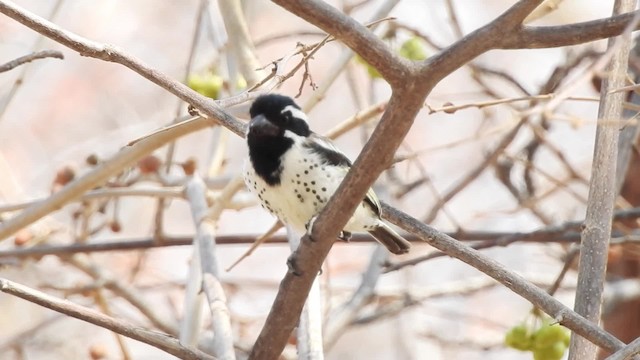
(260, 126)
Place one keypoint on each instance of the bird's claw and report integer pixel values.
(293, 265)
(344, 236)
(309, 227)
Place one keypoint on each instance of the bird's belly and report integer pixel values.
(303, 191)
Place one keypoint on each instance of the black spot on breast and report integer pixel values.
(324, 189)
(306, 172)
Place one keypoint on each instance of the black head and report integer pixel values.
(272, 114)
(276, 123)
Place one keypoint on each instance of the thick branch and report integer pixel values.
(480, 41)
(536, 37)
(360, 39)
(602, 192)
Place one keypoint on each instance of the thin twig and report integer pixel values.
(31, 57)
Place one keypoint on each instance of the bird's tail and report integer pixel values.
(390, 239)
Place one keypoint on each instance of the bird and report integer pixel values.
(294, 171)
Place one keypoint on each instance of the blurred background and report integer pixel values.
(60, 117)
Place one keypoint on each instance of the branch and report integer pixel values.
(100, 174)
(153, 338)
(515, 282)
(596, 234)
(111, 53)
(239, 40)
(488, 37)
(626, 352)
(360, 39)
(28, 58)
(205, 241)
(537, 37)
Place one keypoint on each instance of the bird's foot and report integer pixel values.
(292, 264)
(344, 236)
(309, 227)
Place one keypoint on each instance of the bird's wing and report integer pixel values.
(333, 156)
(327, 151)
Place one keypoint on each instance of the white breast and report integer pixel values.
(306, 185)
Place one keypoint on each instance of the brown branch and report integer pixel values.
(516, 283)
(31, 57)
(602, 192)
(355, 35)
(153, 338)
(488, 37)
(537, 37)
(111, 53)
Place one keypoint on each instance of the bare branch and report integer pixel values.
(239, 40)
(31, 57)
(537, 37)
(602, 192)
(153, 338)
(515, 282)
(205, 241)
(355, 35)
(123, 159)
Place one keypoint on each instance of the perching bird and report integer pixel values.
(294, 171)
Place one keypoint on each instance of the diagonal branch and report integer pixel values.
(123, 159)
(153, 338)
(111, 53)
(515, 282)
